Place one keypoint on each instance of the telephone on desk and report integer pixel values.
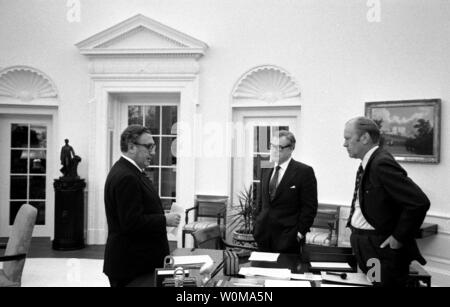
(171, 276)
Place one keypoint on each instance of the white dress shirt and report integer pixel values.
(283, 167)
(358, 220)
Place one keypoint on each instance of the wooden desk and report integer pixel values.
(216, 256)
(427, 230)
(290, 261)
(417, 274)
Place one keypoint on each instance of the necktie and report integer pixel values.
(273, 183)
(359, 175)
(146, 176)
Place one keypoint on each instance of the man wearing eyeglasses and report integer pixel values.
(137, 238)
(287, 203)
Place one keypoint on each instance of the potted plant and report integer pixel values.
(243, 216)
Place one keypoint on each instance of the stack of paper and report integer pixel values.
(245, 282)
(274, 273)
(287, 283)
(191, 260)
(306, 276)
(356, 279)
(258, 256)
(331, 266)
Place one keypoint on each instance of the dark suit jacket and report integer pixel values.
(391, 202)
(292, 210)
(137, 237)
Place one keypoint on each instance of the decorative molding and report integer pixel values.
(266, 83)
(142, 32)
(26, 84)
(142, 65)
(153, 38)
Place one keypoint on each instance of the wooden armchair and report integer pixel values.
(325, 229)
(206, 206)
(17, 247)
(211, 238)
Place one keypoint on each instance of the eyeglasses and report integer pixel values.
(279, 147)
(149, 147)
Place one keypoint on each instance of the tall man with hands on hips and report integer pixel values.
(388, 208)
(137, 237)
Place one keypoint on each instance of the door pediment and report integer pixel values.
(141, 35)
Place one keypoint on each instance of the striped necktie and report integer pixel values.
(359, 175)
(273, 183)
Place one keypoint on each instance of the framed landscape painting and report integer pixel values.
(410, 128)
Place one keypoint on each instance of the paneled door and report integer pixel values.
(251, 148)
(25, 147)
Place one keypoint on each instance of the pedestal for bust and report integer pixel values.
(69, 213)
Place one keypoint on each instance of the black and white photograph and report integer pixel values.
(224, 144)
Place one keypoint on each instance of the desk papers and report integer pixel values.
(266, 272)
(306, 276)
(192, 260)
(331, 266)
(287, 283)
(244, 282)
(355, 279)
(258, 256)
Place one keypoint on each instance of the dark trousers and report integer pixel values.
(119, 283)
(394, 264)
(294, 247)
(145, 280)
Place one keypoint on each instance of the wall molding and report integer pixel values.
(265, 85)
(161, 40)
(26, 84)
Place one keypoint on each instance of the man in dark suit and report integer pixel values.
(387, 210)
(287, 203)
(137, 238)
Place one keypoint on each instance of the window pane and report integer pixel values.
(40, 206)
(155, 160)
(38, 161)
(277, 129)
(167, 203)
(18, 188)
(19, 136)
(135, 115)
(152, 119)
(38, 137)
(169, 119)
(153, 175)
(19, 160)
(14, 207)
(260, 162)
(262, 140)
(169, 151)
(37, 187)
(168, 182)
